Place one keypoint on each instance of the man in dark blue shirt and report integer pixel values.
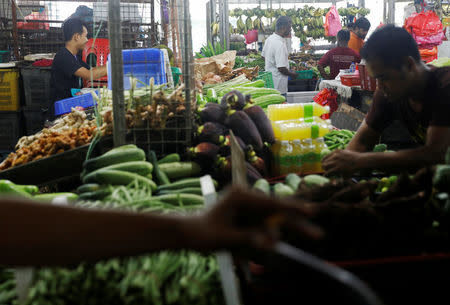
(68, 70)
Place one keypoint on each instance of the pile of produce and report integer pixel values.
(412, 216)
(348, 13)
(250, 61)
(151, 106)
(126, 165)
(211, 50)
(255, 90)
(122, 179)
(68, 132)
(338, 139)
(249, 123)
(306, 22)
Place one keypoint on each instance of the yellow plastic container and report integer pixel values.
(284, 112)
(9, 90)
(299, 129)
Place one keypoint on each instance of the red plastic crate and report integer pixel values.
(99, 49)
(368, 83)
(350, 81)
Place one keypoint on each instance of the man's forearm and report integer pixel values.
(34, 235)
(99, 72)
(405, 159)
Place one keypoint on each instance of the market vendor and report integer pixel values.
(358, 33)
(409, 90)
(338, 58)
(45, 234)
(68, 69)
(276, 55)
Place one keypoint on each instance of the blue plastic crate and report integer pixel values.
(142, 64)
(65, 106)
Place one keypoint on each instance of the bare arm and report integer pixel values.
(323, 73)
(438, 141)
(42, 234)
(364, 139)
(97, 72)
(285, 71)
(355, 157)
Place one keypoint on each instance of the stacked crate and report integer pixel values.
(38, 105)
(10, 116)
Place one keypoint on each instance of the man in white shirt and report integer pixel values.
(275, 54)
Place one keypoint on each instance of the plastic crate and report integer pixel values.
(36, 86)
(97, 52)
(350, 81)
(10, 129)
(176, 73)
(267, 78)
(142, 64)
(65, 106)
(5, 56)
(305, 74)
(35, 118)
(9, 90)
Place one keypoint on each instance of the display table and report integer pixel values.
(342, 90)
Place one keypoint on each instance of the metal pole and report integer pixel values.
(152, 22)
(14, 29)
(221, 21)
(226, 22)
(115, 46)
(208, 22)
(188, 71)
(391, 12)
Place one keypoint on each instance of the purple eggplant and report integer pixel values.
(262, 122)
(233, 100)
(243, 127)
(213, 113)
(205, 151)
(211, 132)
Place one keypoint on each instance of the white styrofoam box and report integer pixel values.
(128, 12)
(444, 49)
(301, 97)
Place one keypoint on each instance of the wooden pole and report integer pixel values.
(173, 29)
(164, 23)
(208, 21)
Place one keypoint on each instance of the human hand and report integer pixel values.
(244, 219)
(344, 162)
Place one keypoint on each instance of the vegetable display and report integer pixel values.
(68, 132)
(338, 139)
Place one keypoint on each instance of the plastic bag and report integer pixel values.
(332, 22)
(251, 36)
(40, 15)
(327, 97)
(430, 41)
(423, 24)
(428, 55)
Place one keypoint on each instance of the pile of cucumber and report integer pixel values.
(290, 185)
(126, 167)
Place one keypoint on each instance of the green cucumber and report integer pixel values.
(185, 199)
(96, 195)
(262, 185)
(121, 148)
(282, 190)
(115, 177)
(189, 182)
(170, 158)
(293, 181)
(87, 188)
(177, 170)
(313, 180)
(51, 196)
(161, 177)
(142, 168)
(186, 190)
(118, 156)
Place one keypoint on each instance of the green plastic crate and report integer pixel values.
(176, 72)
(267, 78)
(305, 74)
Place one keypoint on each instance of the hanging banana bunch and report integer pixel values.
(241, 27)
(249, 23)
